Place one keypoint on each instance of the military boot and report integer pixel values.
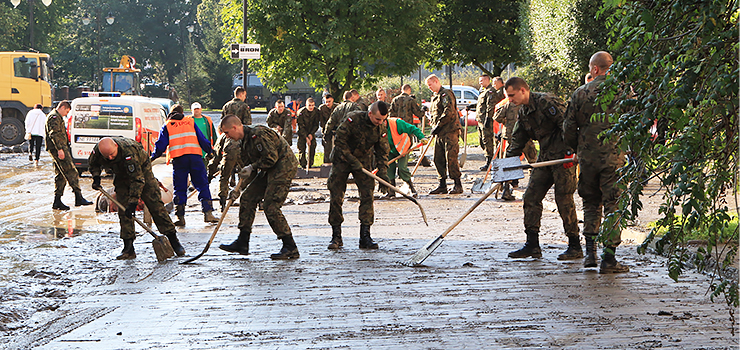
(609, 263)
(288, 251)
(531, 247)
(208, 216)
(180, 213)
(128, 250)
(442, 188)
(574, 250)
(458, 187)
(412, 189)
(590, 260)
(80, 200)
(365, 241)
(175, 243)
(425, 162)
(336, 237)
(485, 166)
(58, 205)
(507, 194)
(241, 244)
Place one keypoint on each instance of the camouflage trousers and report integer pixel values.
(446, 149)
(337, 184)
(64, 172)
(152, 198)
(485, 138)
(302, 150)
(597, 187)
(230, 160)
(402, 164)
(540, 182)
(274, 191)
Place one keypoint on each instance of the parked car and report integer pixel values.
(465, 96)
(99, 114)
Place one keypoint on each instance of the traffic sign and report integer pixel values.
(245, 51)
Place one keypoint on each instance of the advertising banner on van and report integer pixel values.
(114, 117)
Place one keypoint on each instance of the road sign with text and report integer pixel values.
(245, 51)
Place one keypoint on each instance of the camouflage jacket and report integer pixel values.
(363, 103)
(308, 121)
(325, 113)
(405, 107)
(238, 108)
(542, 120)
(56, 132)
(487, 100)
(338, 115)
(283, 120)
(268, 152)
(580, 129)
(444, 112)
(132, 166)
(357, 140)
(506, 115)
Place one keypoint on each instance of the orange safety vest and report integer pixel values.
(401, 141)
(183, 139)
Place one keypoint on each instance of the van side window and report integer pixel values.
(469, 96)
(23, 69)
(457, 93)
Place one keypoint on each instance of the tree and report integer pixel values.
(48, 21)
(331, 43)
(475, 32)
(677, 60)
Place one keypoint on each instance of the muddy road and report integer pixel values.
(61, 288)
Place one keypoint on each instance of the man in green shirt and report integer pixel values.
(204, 123)
(400, 141)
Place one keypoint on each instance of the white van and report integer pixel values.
(98, 115)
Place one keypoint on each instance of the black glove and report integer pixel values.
(130, 209)
(498, 137)
(96, 183)
(424, 108)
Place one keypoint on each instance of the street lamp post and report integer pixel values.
(190, 28)
(30, 16)
(86, 21)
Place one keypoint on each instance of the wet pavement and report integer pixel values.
(61, 288)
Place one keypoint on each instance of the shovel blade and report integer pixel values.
(463, 158)
(424, 252)
(479, 186)
(501, 175)
(162, 248)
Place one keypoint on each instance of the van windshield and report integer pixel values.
(101, 116)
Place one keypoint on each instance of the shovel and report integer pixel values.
(215, 230)
(431, 141)
(480, 185)
(404, 154)
(511, 168)
(162, 247)
(429, 248)
(383, 182)
(464, 156)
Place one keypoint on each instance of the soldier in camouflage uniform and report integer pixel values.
(271, 166)
(226, 159)
(238, 107)
(340, 113)
(490, 95)
(446, 126)
(308, 124)
(279, 118)
(599, 161)
(57, 144)
(405, 107)
(133, 180)
(361, 101)
(506, 115)
(541, 118)
(325, 110)
(361, 135)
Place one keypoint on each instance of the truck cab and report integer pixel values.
(24, 82)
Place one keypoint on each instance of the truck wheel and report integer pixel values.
(12, 131)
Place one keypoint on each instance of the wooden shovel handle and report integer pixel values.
(431, 141)
(541, 164)
(120, 206)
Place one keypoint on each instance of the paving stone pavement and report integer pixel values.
(468, 295)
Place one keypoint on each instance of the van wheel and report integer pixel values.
(11, 131)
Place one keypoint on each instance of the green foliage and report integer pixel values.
(339, 44)
(475, 32)
(721, 237)
(676, 61)
(558, 37)
(48, 24)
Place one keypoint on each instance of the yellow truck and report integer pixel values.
(24, 82)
